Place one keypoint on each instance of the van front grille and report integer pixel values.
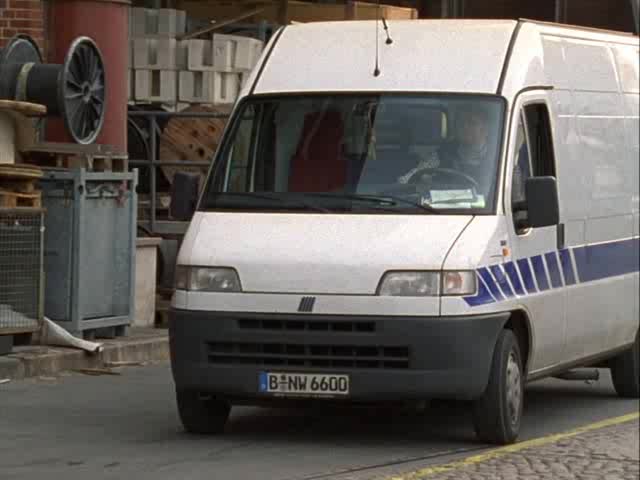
(303, 355)
(346, 326)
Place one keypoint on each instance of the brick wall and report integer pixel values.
(22, 16)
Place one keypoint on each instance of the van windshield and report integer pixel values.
(421, 154)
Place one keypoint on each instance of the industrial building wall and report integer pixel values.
(612, 14)
(608, 14)
(22, 16)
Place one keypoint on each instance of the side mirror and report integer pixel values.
(543, 206)
(184, 196)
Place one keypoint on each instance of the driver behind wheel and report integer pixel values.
(467, 154)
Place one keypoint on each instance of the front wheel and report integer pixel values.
(498, 413)
(625, 371)
(201, 415)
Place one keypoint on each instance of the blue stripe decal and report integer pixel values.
(512, 272)
(567, 267)
(554, 269)
(493, 288)
(596, 262)
(527, 275)
(482, 297)
(593, 262)
(541, 275)
(498, 274)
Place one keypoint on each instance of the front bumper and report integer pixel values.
(387, 358)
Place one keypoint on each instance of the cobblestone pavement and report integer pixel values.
(610, 453)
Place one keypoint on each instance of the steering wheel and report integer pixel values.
(416, 177)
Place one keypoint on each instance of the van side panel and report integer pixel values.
(594, 114)
(628, 70)
(596, 143)
(508, 284)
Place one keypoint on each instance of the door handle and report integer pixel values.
(561, 236)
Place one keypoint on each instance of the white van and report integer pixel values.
(453, 223)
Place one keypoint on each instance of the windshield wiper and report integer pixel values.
(278, 197)
(382, 200)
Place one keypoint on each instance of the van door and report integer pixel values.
(535, 272)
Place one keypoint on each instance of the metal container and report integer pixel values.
(107, 23)
(90, 250)
(21, 276)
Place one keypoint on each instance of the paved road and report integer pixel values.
(605, 453)
(82, 427)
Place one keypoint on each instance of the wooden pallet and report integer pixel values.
(9, 199)
(90, 162)
(94, 158)
(19, 178)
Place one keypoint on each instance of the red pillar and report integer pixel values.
(107, 23)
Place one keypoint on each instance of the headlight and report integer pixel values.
(410, 284)
(427, 284)
(207, 279)
(459, 283)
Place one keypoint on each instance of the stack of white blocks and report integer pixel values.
(156, 56)
(168, 71)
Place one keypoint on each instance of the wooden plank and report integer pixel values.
(220, 24)
(75, 149)
(14, 199)
(283, 12)
(24, 109)
(19, 172)
(20, 186)
(350, 9)
(296, 11)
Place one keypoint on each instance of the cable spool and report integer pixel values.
(17, 127)
(7, 139)
(74, 90)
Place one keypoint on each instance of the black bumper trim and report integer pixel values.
(450, 357)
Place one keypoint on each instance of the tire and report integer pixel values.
(497, 414)
(202, 415)
(625, 371)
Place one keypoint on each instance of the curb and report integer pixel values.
(55, 360)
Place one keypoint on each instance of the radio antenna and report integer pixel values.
(386, 29)
(376, 71)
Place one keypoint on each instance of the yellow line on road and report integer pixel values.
(499, 452)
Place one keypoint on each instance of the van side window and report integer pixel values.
(540, 141)
(534, 154)
(238, 176)
(522, 165)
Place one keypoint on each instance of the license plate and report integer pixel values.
(303, 384)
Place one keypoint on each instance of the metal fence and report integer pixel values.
(21, 270)
(150, 167)
(151, 121)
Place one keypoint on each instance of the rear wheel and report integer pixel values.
(200, 414)
(497, 414)
(625, 371)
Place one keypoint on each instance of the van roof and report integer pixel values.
(434, 55)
